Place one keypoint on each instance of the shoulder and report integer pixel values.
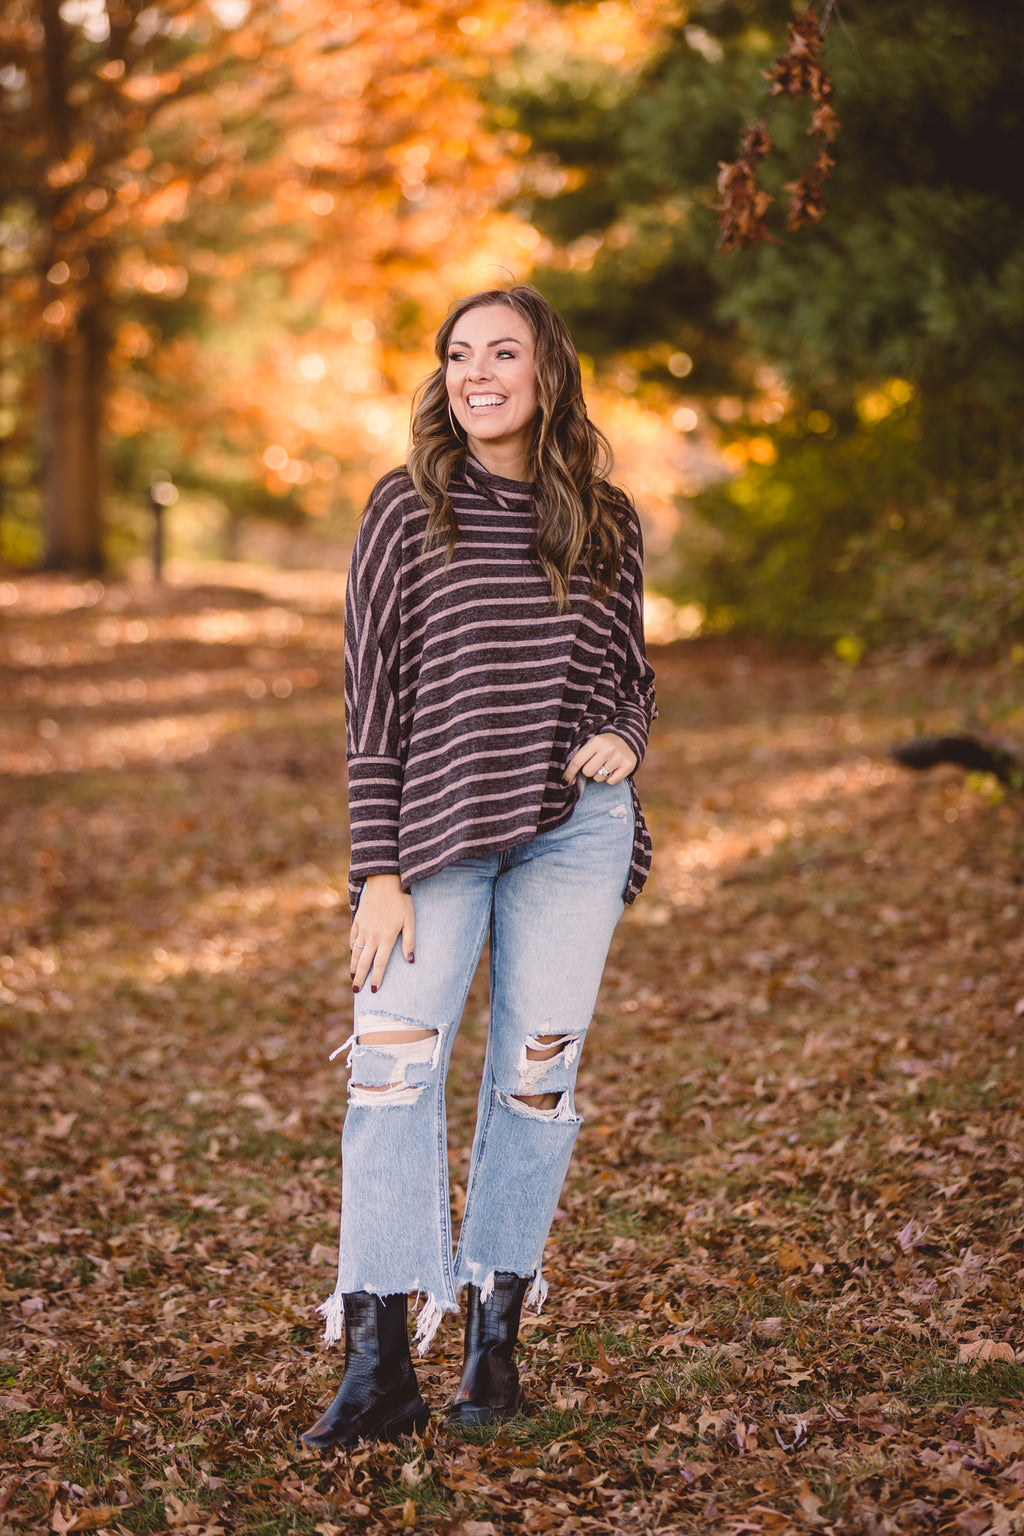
(392, 503)
(394, 494)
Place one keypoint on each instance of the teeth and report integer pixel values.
(475, 400)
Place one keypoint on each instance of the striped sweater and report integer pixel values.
(466, 694)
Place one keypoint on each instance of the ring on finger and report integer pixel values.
(358, 946)
(602, 773)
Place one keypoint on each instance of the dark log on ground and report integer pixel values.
(980, 753)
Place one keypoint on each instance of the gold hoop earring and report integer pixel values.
(455, 425)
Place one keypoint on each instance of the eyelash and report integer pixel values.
(458, 357)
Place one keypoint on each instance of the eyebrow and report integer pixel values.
(516, 340)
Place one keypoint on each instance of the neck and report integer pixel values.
(507, 460)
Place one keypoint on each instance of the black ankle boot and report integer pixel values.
(489, 1390)
(378, 1398)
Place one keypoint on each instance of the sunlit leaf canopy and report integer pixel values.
(230, 230)
(266, 208)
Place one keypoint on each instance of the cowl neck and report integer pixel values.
(475, 472)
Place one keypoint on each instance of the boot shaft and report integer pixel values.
(377, 1338)
(493, 1325)
(489, 1390)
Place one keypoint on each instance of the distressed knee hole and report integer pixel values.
(392, 1060)
(542, 1106)
(543, 1055)
(388, 1093)
(543, 1047)
(537, 1100)
(395, 1033)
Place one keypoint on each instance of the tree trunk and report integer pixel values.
(76, 360)
(75, 378)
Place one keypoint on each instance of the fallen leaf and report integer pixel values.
(95, 1519)
(987, 1349)
(1003, 1444)
(810, 1503)
(60, 1126)
(791, 1259)
(974, 1521)
(911, 1236)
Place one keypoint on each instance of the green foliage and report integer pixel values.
(775, 534)
(857, 534)
(899, 529)
(853, 535)
(918, 265)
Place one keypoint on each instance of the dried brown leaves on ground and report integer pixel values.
(786, 1272)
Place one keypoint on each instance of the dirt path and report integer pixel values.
(787, 1271)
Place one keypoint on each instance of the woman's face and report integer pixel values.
(492, 386)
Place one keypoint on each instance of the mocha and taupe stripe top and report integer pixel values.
(466, 694)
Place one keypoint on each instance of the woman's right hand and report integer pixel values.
(385, 912)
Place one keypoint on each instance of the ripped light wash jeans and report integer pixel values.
(549, 908)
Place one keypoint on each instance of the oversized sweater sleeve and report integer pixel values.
(372, 727)
(634, 694)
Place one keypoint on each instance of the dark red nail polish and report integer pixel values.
(373, 989)
(355, 989)
(412, 957)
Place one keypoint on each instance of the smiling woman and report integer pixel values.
(492, 388)
(498, 700)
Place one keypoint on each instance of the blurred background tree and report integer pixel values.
(215, 221)
(866, 375)
(228, 229)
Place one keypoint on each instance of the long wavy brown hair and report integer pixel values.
(579, 515)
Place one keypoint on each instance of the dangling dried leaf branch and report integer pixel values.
(747, 202)
(798, 71)
(806, 195)
(743, 203)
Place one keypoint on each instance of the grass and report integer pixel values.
(953, 1382)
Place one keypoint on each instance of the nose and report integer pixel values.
(479, 368)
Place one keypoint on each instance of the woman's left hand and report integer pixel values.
(605, 758)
